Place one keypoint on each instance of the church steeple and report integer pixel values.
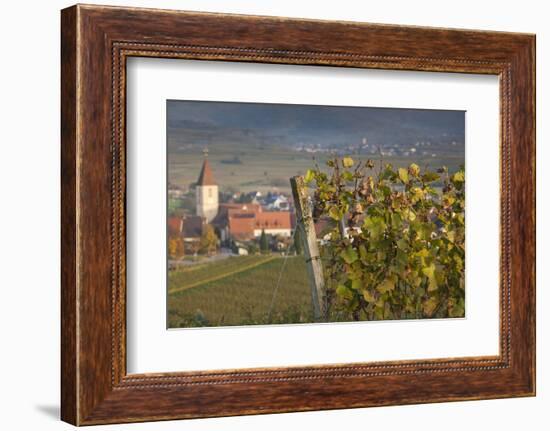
(206, 178)
(206, 191)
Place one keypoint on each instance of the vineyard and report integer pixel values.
(206, 273)
(394, 249)
(239, 291)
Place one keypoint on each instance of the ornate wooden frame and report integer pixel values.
(95, 42)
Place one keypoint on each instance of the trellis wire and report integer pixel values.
(275, 290)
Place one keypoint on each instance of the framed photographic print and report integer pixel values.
(266, 215)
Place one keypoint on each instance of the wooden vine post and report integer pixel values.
(304, 222)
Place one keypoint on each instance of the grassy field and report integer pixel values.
(261, 170)
(268, 168)
(239, 291)
(204, 273)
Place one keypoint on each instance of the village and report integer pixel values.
(205, 224)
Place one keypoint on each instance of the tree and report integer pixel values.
(175, 247)
(244, 199)
(264, 243)
(209, 240)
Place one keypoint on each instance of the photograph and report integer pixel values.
(307, 214)
(289, 214)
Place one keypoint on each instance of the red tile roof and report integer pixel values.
(243, 221)
(175, 226)
(273, 220)
(206, 177)
(226, 208)
(241, 225)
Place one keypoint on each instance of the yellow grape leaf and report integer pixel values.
(310, 175)
(414, 169)
(459, 177)
(388, 284)
(347, 162)
(403, 175)
(369, 297)
(430, 305)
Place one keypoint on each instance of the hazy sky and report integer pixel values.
(325, 125)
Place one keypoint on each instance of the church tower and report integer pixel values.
(206, 192)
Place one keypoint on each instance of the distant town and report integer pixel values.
(423, 149)
(204, 222)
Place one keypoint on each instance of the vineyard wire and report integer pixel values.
(285, 258)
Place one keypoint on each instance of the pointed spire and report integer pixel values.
(206, 178)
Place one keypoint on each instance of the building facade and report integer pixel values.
(237, 221)
(206, 193)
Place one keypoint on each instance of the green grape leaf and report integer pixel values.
(402, 244)
(348, 176)
(375, 226)
(456, 308)
(344, 291)
(430, 177)
(356, 284)
(310, 176)
(363, 252)
(349, 255)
